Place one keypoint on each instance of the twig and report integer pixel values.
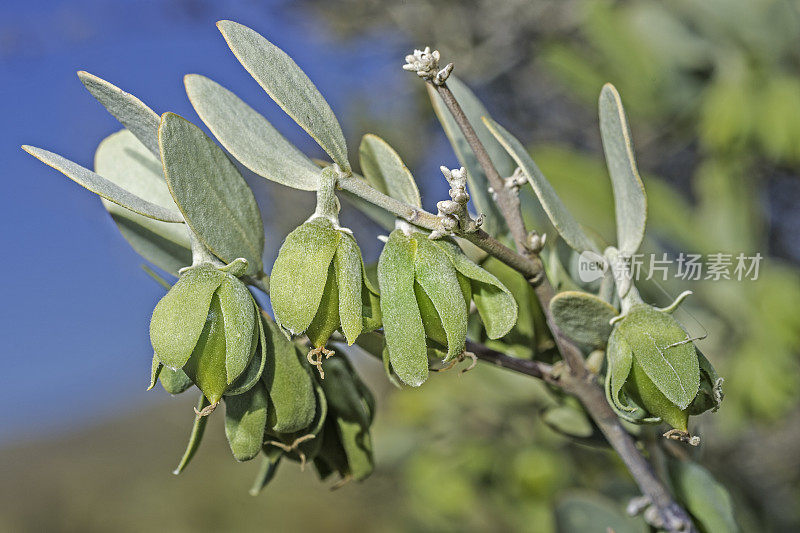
(578, 380)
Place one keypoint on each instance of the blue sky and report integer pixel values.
(74, 324)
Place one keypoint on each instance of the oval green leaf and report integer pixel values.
(289, 86)
(103, 187)
(139, 119)
(583, 317)
(630, 202)
(384, 170)
(121, 158)
(248, 136)
(213, 196)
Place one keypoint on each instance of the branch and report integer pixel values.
(578, 381)
(529, 266)
(528, 367)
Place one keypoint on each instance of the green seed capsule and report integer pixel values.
(654, 371)
(206, 326)
(317, 284)
(427, 287)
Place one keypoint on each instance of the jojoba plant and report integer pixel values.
(182, 203)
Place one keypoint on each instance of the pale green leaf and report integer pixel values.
(703, 496)
(299, 274)
(437, 277)
(477, 180)
(402, 322)
(661, 347)
(583, 317)
(557, 212)
(213, 196)
(121, 158)
(496, 305)
(196, 436)
(385, 171)
(248, 136)
(289, 86)
(245, 420)
(290, 388)
(103, 187)
(180, 316)
(629, 197)
(350, 282)
(239, 317)
(139, 119)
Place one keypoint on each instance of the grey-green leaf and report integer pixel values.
(559, 215)
(478, 182)
(704, 497)
(121, 158)
(248, 136)
(245, 419)
(583, 317)
(630, 202)
(402, 322)
(384, 170)
(196, 436)
(299, 274)
(289, 86)
(103, 187)
(129, 110)
(213, 196)
(180, 316)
